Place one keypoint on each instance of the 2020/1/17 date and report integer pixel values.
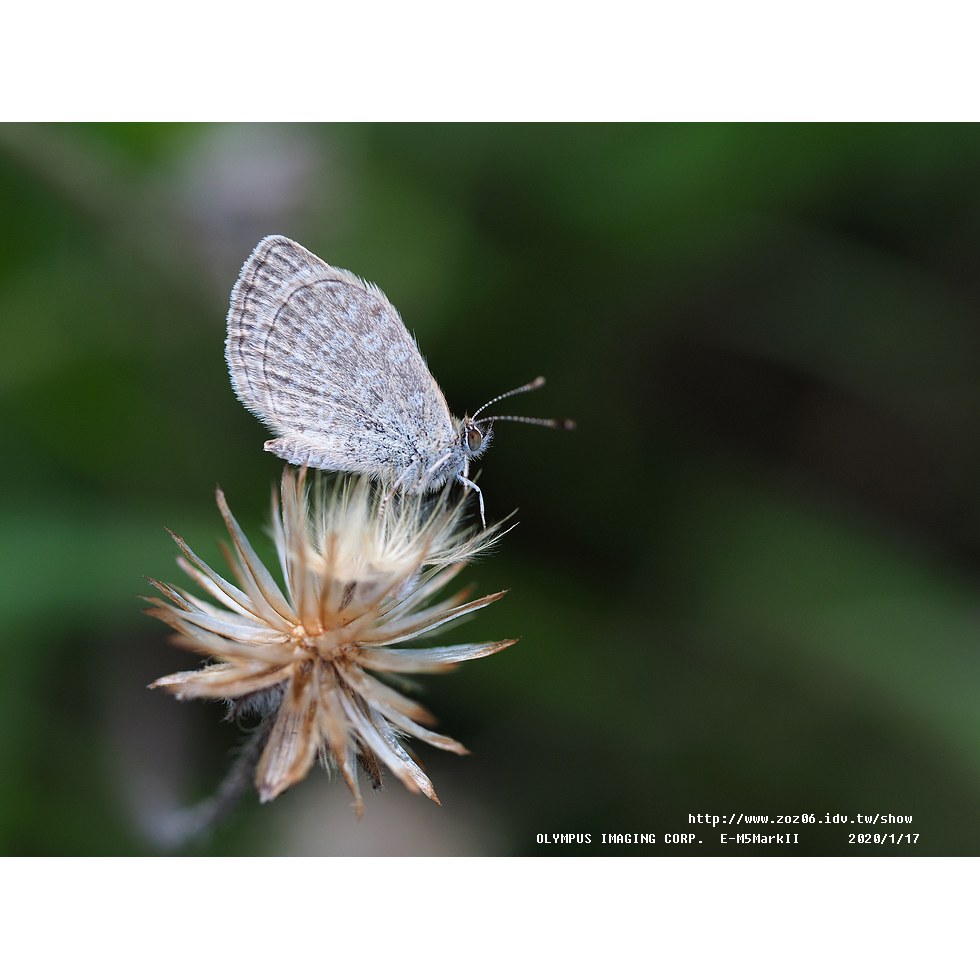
(882, 838)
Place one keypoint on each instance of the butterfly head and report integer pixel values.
(475, 437)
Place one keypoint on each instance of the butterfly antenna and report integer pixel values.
(550, 423)
(530, 386)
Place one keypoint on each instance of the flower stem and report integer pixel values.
(188, 825)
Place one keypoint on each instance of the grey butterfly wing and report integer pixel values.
(325, 361)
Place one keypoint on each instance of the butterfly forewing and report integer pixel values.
(325, 360)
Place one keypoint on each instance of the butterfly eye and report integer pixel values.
(474, 439)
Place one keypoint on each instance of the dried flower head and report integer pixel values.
(362, 573)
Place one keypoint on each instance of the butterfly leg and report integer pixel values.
(388, 497)
(469, 483)
(405, 479)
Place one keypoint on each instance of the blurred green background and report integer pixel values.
(748, 583)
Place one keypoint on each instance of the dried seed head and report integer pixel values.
(362, 574)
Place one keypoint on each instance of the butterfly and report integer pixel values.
(324, 359)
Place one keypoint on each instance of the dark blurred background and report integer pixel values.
(748, 583)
